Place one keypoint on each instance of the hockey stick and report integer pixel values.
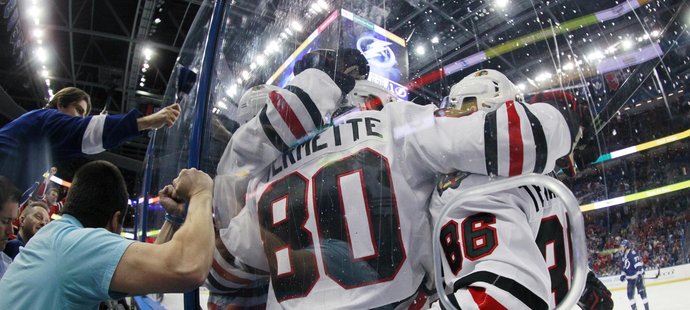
(658, 272)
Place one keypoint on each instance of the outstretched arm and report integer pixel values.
(182, 263)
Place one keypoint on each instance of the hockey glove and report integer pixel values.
(596, 296)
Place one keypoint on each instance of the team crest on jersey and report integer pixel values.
(452, 112)
(449, 181)
(481, 73)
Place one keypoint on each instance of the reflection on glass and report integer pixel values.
(623, 65)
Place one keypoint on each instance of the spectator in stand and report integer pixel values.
(63, 131)
(9, 205)
(51, 199)
(33, 218)
(95, 263)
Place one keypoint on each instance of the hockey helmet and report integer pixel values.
(252, 102)
(368, 95)
(484, 90)
(625, 243)
(344, 65)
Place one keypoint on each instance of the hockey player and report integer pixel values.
(365, 95)
(633, 271)
(482, 237)
(229, 190)
(343, 216)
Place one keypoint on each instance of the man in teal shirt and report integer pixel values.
(80, 260)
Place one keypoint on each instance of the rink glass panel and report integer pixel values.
(169, 152)
(626, 61)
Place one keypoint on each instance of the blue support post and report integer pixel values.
(147, 188)
(191, 299)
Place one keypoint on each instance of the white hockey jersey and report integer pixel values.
(509, 250)
(342, 220)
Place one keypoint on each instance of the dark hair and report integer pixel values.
(67, 96)
(8, 192)
(97, 192)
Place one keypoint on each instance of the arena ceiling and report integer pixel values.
(98, 45)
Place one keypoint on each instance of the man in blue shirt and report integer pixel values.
(64, 131)
(633, 270)
(80, 260)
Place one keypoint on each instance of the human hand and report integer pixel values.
(166, 116)
(622, 277)
(191, 182)
(172, 204)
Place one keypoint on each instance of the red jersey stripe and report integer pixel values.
(287, 114)
(515, 138)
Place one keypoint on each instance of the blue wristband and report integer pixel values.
(174, 219)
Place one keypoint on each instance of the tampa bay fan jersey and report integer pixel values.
(342, 220)
(632, 265)
(510, 249)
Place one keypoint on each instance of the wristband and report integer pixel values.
(174, 219)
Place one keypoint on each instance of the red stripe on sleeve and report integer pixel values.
(286, 113)
(515, 137)
(484, 300)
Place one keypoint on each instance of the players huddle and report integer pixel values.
(339, 195)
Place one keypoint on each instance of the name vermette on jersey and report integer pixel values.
(346, 133)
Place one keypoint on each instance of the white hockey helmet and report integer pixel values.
(252, 102)
(368, 95)
(484, 90)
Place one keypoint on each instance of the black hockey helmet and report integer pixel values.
(344, 65)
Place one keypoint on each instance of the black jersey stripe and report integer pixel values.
(509, 285)
(270, 132)
(491, 144)
(244, 292)
(539, 140)
(308, 104)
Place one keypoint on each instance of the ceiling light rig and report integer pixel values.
(40, 50)
(273, 46)
(148, 53)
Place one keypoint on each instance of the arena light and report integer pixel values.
(522, 86)
(315, 7)
(655, 33)
(141, 84)
(595, 55)
(252, 66)
(543, 76)
(148, 52)
(222, 105)
(627, 44)
(245, 75)
(45, 73)
(260, 60)
(38, 33)
(144, 70)
(296, 26)
(569, 66)
(322, 4)
(501, 3)
(157, 21)
(272, 46)
(41, 54)
(434, 40)
(420, 50)
(231, 91)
